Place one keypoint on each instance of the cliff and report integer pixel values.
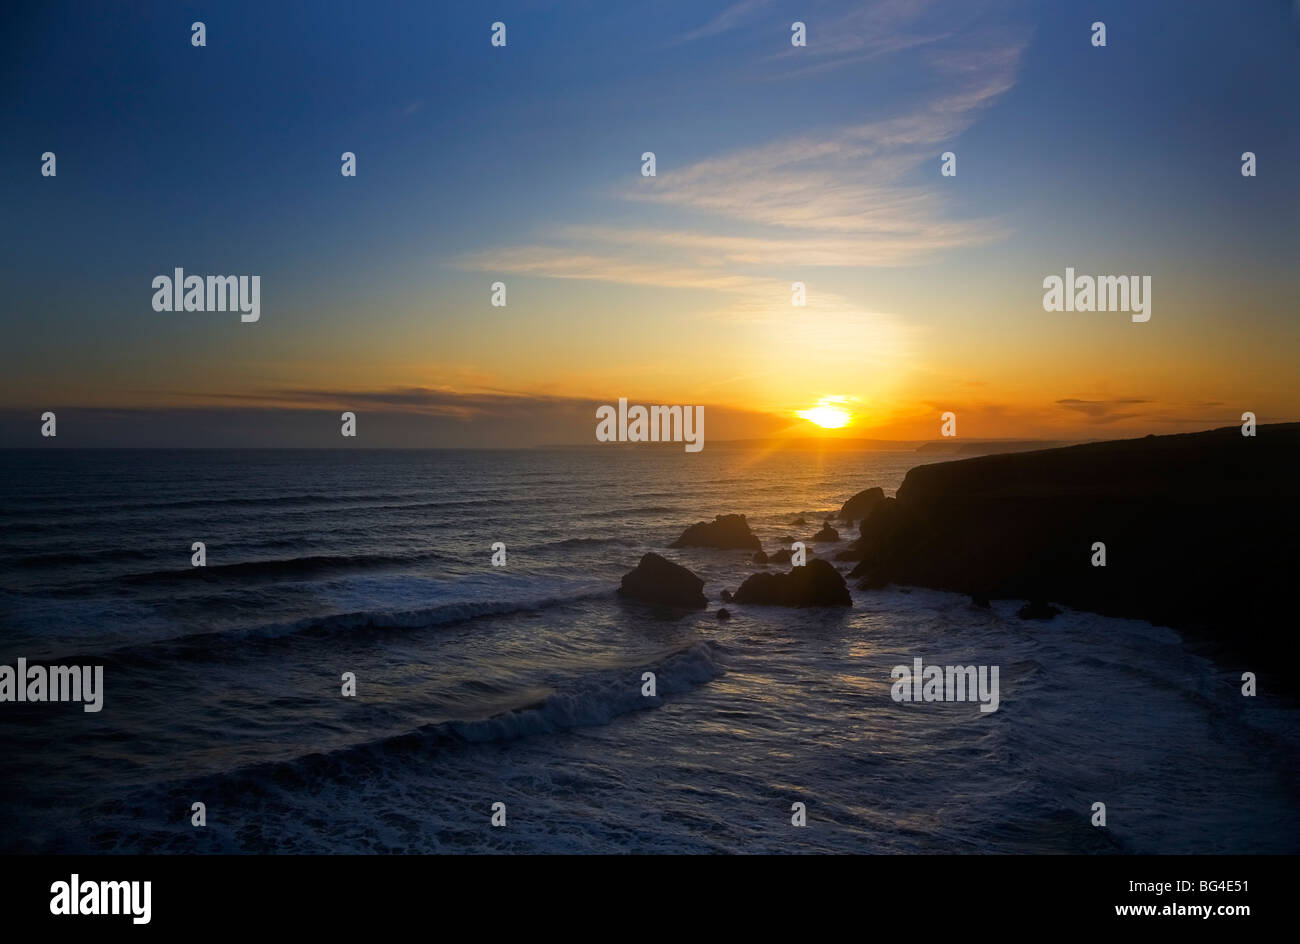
(1201, 532)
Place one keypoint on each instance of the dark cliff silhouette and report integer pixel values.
(1201, 530)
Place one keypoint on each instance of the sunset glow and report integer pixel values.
(828, 414)
(786, 263)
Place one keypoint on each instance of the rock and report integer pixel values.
(878, 523)
(723, 615)
(827, 533)
(760, 557)
(876, 536)
(781, 557)
(724, 531)
(726, 596)
(815, 584)
(861, 504)
(799, 520)
(1037, 610)
(848, 555)
(658, 580)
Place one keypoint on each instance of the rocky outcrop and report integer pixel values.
(724, 531)
(658, 580)
(861, 504)
(1201, 532)
(827, 533)
(815, 584)
(876, 537)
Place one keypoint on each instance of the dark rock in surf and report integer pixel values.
(861, 504)
(827, 533)
(815, 584)
(724, 531)
(658, 580)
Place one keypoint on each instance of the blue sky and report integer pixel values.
(774, 164)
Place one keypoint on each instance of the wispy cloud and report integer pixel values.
(737, 224)
(560, 262)
(729, 19)
(428, 401)
(840, 197)
(859, 32)
(845, 183)
(409, 416)
(866, 31)
(1105, 411)
(829, 324)
(852, 180)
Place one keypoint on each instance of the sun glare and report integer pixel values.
(828, 414)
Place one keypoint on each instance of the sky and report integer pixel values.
(522, 164)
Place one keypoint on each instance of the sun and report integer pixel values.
(828, 414)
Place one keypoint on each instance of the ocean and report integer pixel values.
(522, 685)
